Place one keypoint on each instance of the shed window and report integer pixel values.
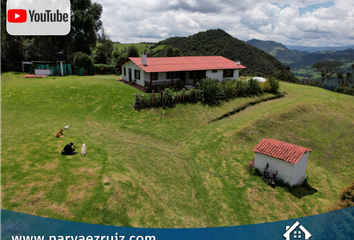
(214, 71)
(125, 72)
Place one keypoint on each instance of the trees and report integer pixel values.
(133, 51)
(83, 60)
(85, 23)
(327, 69)
(101, 54)
(173, 52)
(169, 51)
(106, 43)
(345, 80)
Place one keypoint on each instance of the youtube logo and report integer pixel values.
(38, 17)
(16, 15)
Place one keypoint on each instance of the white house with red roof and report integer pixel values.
(290, 160)
(162, 70)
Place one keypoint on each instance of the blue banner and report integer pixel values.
(332, 225)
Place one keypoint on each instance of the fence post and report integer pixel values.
(161, 98)
(152, 97)
(183, 95)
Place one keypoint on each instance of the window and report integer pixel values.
(197, 74)
(154, 76)
(175, 75)
(214, 71)
(125, 72)
(137, 74)
(228, 73)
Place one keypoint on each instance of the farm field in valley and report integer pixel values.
(164, 169)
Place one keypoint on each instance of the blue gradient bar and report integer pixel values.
(332, 225)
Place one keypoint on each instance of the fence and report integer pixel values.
(166, 98)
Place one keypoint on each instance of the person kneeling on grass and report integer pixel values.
(69, 149)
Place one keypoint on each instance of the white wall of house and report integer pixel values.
(161, 78)
(285, 169)
(300, 168)
(131, 65)
(218, 75)
(236, 74)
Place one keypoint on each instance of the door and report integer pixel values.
(130, 75)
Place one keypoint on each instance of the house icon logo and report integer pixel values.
(297, 231)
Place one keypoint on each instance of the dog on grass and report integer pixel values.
(60, 133)
(83, 149)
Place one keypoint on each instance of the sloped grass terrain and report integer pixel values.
(171, 168)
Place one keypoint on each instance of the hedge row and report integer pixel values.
(214, 92)
(104, 69)
(345, 90)
(167, 97)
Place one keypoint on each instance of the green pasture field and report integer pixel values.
(164, 168)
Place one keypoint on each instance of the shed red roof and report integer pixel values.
(284, 151)
(192, 63)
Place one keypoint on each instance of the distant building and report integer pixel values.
(290, 160)
(168, 70)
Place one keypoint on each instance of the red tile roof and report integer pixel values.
(193, 63)
(281, 150)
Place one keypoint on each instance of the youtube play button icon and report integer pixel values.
(16, 15)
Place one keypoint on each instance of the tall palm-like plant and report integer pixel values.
(213, 94)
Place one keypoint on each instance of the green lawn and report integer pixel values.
(164, 168)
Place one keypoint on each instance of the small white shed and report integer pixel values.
(290, 160)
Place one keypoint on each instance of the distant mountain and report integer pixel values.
(301, 62)
(218, 42)
(317, 49)
(278, 50)
(346, 57)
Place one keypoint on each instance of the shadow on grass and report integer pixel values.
(302, 191)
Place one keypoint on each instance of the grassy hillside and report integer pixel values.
(151, 168)
(123, 47)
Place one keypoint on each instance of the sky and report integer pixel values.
(314, 23)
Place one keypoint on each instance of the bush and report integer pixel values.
(274, 84)
(265, 86)
(229, 88)
(104, 69)
(254, 87)
(82, 60)
(212, 91)
(180, 84)
(345, 90)
(157, 88)
(241, 88)
(346, 198)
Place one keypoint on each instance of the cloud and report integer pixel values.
(155, 20)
